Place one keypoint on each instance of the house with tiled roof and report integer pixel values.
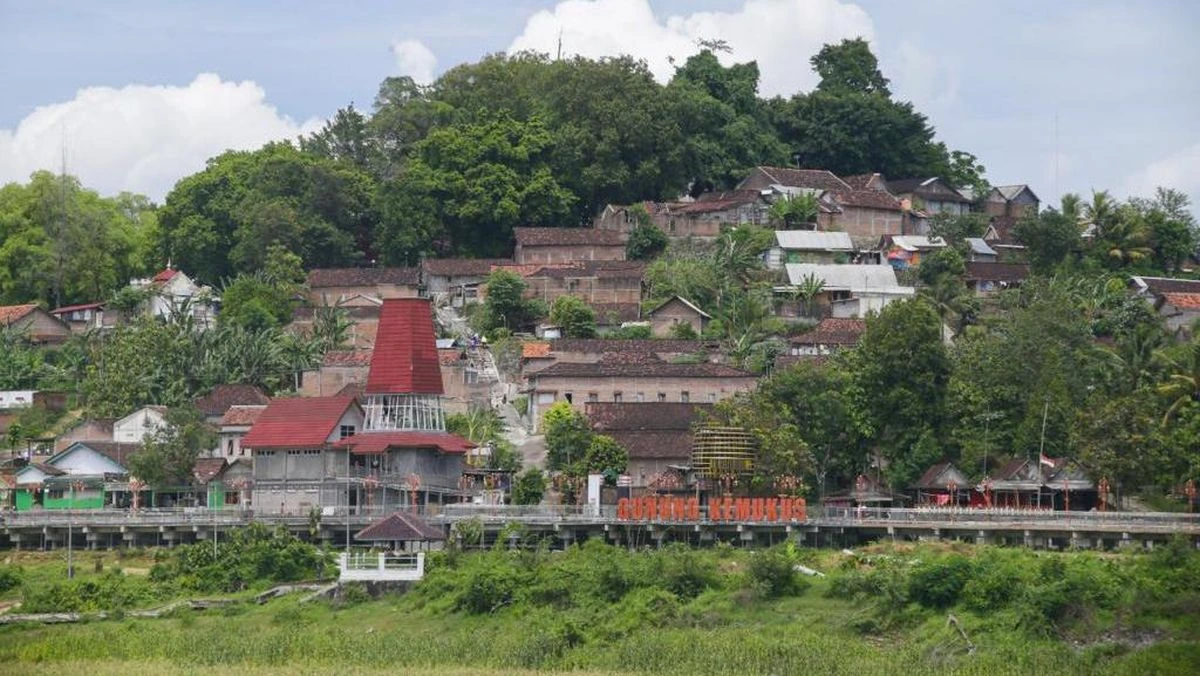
(988, 278)
(34, 323)
(335, 453)
(550, 246)
(85, 317)
(657, 436)
(943, 485)
(171, 291)
(636, 378)
(400, 532)
(830, 335)
(596, 282)
(338, 369)
(214, 404)
(665, 317)
(864, 213)
(1011, 201)
(459, 278)
(235, 423)
(931, 195)
(341, 286)
(142, 423)
(1177, 301)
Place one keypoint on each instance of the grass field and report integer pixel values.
(675, 612)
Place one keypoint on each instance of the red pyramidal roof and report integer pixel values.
(405, 360)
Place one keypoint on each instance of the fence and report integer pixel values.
(378, 567)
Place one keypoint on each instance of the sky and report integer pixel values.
(136, 94)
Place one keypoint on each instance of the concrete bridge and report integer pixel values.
(104, 529)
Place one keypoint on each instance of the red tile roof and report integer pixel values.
(449, 356)
(860, 181)
(642, 345)
(405, 359)
(568, 237)
(207, 469)
(611, 417)
(1190, 301)
(533, 350)
(399, 527)
(297, 422)
(718, 201)
(1160, 285)
(608, 313)
(833, 331)
(598, 269)
(12, 313)
(869, 199)
(242, 415)
(366, 443)
(327, 277)
(347, 358)
(223, 396)
(165, 276)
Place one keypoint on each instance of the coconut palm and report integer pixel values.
(1183, 382)
(795, 211)
(807, 290)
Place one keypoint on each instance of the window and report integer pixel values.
(572, 284)
(569, 396)
(616, 397)
(592, 396)
(470, 376)
(712, 397)
(229, 447)
(684, 397)
(640, 397)
(54, 494)
(346, 431)
(662, 396)
(671, 225)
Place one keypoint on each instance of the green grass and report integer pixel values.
(600, 610)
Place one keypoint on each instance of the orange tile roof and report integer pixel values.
(11, 313)
(1190, 301)
(535, 350)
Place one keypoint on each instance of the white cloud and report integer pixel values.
(143, 138)
(1180, 170)
(780, 35)
(917, 76)
(415, 60)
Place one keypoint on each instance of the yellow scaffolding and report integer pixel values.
(718, 451)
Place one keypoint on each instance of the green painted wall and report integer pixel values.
(24, 499)
(216, 496)
(91, 499)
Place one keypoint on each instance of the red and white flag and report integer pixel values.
(1045, 460)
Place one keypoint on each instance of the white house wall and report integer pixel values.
(135, 427)
(84, 461)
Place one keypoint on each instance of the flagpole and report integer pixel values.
(1042, 447)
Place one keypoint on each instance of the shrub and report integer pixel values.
(773, 572)
(937, 584)
(10, 577)
(488, 587)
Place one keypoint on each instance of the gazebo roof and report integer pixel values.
(398, 527)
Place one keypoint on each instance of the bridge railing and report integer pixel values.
(935, 515)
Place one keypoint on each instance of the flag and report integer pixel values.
(1045, 460)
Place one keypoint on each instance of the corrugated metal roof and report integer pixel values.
(918, 242)
(405, 360)
(979, 246)
(845, 277)
(297, 422)
(814, 240)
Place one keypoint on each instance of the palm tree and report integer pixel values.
(795, 210)
(1100, 210)
(1183, 384)
(807, 290)
(954, 303)
(1072, 207)
(1136, 355)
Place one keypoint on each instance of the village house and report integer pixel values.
(591, 350)
(980, 252)
(943, 485)
(829, 336)
(400, 532)
(457, 278)
(363, 319)
(34, 324)
(87, 317)
(848, 290)
(999, 236)
(171, 291)
(354, 287)
(598, 283)
(332, 452)
(1043, 483)
(988, 278)
(809, 246)
(338, 369)
(906, 251)
(676, 310)
(465, 381)
(214, 404)
(1177, 301)
(1011, 201)
(551, 246)
(87, 429)
(930, 195)
(85, 475)
(625, 377)
(865, 214)
(658, 437)
(235, 423)
(135, 427)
